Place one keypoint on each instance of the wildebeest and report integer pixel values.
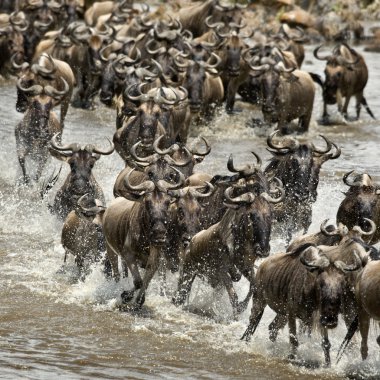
(155, 167)
(153, 117)
(136, 230)
(193, 17)
(346, 75)
(286, 94)
(12, 41)
(38, 125)
(80, 180)
(47, 71)
(236, 240)
(328, 235)
(367, 296)
(300, 283)
(361, 202)
(82, 234)
(204, 85)
(297, 165)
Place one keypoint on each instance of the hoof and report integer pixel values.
(127, 296)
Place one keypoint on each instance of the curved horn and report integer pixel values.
(279, 147)
(160, 50)
(370, 232)
(38, 69)
(350, 183)
(90, 210)
(173, 148)
(246, 198)
(316, 261)
(54, 93)
(54, 143)
(316, 54)
(280, 188)
(214, 25)
(197, 152)
(209, 191)
(15, 65)
(166, 186)
(33, 90)
(328, 233)
(349, 268)
(146, 186)
(244, 171)
(147, 160)
(105, 152)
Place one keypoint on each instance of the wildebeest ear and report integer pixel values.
(62, 156)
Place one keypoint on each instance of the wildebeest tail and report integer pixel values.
(48, 184)
(365, 104)
(316, 78)
(347, 339)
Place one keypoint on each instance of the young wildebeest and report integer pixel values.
(300, 284)
(346, 76)
(38, 125)
(80, 180)
(297, 165)
(82, 234)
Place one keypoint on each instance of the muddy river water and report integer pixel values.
(52, 325)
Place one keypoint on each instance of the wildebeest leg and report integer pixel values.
(257, 312)
(185, 282)
(112, 258)
(325, 114)
(227, 282)
(365, 104)
(326, 345)
(150, 270)
(293, 336)
(303, 123)
(345, 107)
(359, 100)
(232, 88)
(364, 328)
(41, 161)
(276, 325)
(21, 153)
(162, 276)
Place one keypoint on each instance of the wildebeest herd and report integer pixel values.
(163, 74)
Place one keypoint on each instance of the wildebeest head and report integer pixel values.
(117, 68)
(81, 160)
(298, 165)
(150, 110)
(232, 47)
(35, 75)
(360, 201)
(42, 100)
(155, 201)
(161, 164)
(330, 278)
(343, 58)
(188, 210)
(271, 71)
(259, 214)
(195, 78)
